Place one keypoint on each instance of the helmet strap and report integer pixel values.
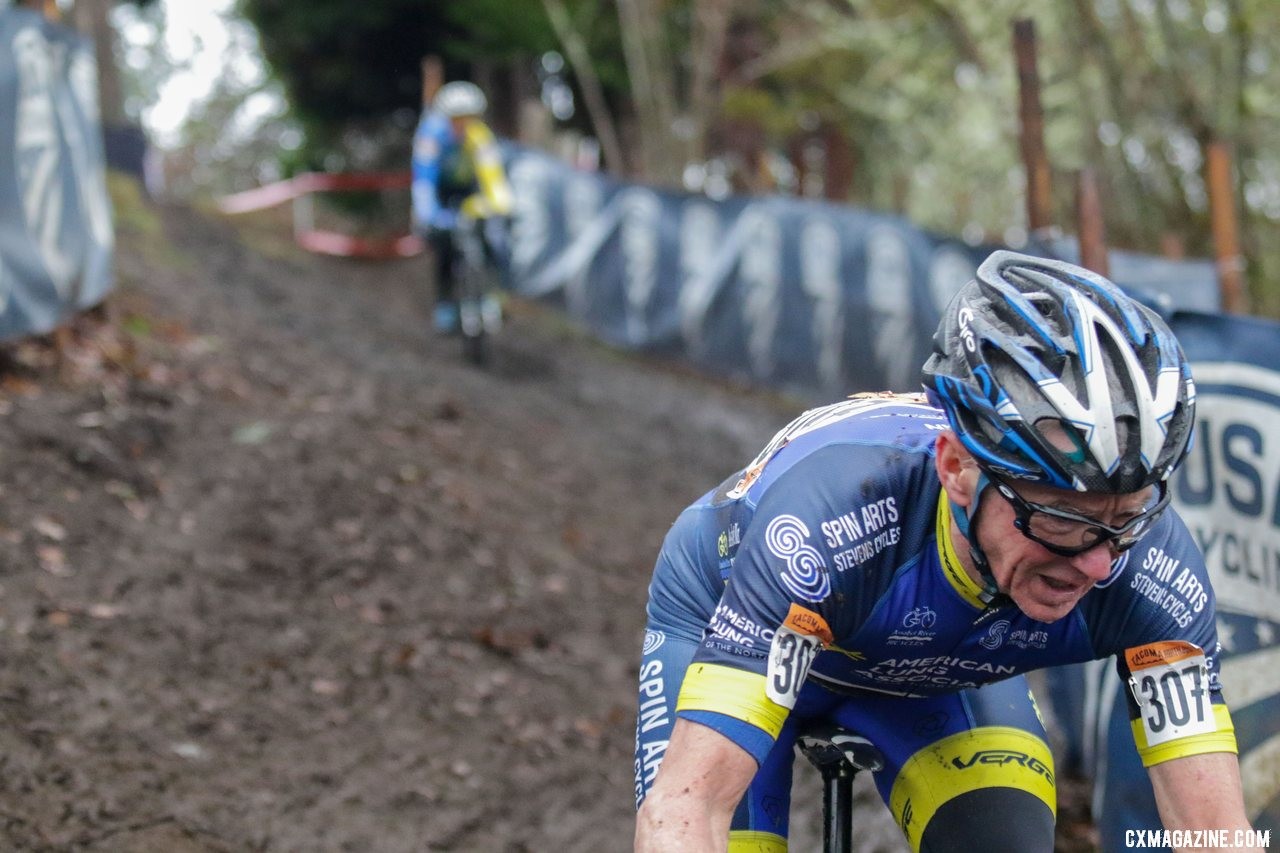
(967, 522)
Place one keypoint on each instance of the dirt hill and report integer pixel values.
(279, 572)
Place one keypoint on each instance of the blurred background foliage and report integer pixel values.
(905, 106)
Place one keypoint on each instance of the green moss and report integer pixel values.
(132, 212)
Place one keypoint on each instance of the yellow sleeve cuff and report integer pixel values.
(1223, 740)
(732, 692)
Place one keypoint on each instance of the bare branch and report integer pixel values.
(958, 32)
(576, 48)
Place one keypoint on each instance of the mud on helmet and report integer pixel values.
(459, 98)
(1049, 373)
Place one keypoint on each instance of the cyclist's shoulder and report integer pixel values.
(1159, 589)
(905, 421)
(431, 138)
(432, 125)
(477, 134)
(1171, 539)
(1167, 557)
(872, 441)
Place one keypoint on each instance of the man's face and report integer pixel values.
(459, 124)
(1045, 585)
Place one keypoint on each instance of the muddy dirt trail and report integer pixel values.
(279, 572)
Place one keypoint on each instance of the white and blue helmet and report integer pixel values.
(1031, 345)
(460, 98)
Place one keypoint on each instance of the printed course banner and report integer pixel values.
(55, 218)
(817, 298)
(794, 294)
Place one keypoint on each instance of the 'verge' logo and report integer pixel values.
(1002, 757)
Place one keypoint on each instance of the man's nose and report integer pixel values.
(1095, 563)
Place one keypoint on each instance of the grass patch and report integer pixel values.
(133, 213)
(138, 224)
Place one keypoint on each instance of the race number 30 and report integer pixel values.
(1170, 683)
(789, 657)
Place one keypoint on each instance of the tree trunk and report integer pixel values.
(92, 19)
(710, 27)
(650, 67)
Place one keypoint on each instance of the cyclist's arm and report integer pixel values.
(426, 175)
(1200, 792)
(702, 778)
(495, 197)
(1180, 721)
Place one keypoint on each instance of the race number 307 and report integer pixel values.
(1170, 683)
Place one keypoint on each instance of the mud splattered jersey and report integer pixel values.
(827, 560)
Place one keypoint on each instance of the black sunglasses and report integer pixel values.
(1067, 533)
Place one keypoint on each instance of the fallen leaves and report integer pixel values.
(253, 433)
(104, 611)
(510, 641)
(188, 750)
(53, 560)
(64, 615)
(49, 529)
(326, 687)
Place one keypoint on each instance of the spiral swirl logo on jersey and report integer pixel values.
(995, 635)
(652, 640)
(805, 576)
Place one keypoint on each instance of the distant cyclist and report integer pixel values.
(895, 563)
(457, 169)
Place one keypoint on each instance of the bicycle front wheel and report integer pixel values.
(471, 321)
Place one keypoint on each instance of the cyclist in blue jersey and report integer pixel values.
(457, 170)
(895, 563)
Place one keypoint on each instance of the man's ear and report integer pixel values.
(956, 469)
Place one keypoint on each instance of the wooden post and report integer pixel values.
(840, 163)
(432, 78)
(1226, 234)
(1035, 159)
(63, 337)
(1090, 225)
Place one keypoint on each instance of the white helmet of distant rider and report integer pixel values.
(459, 99)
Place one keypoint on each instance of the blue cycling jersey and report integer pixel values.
(828, 561)
(455, 171)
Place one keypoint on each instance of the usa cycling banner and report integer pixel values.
(828, 300)
(55, 217)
